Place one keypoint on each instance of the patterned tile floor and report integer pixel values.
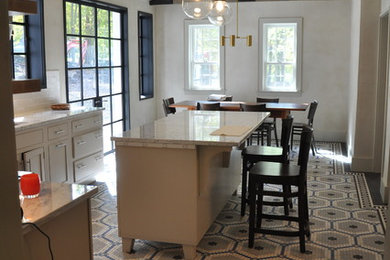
(344, 224)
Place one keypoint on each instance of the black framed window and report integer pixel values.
(96, 62)
(145, 45)
(27, 46)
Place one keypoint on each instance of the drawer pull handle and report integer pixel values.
(81, 142)
(58, 132)
(78, 126)
(60, 145)
(81, 166)
(98, 158)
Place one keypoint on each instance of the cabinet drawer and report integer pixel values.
(54, 132)
(28, 139)
(88, 166)
(87, 143)
(86, 123)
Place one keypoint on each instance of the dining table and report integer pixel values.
(278, 110)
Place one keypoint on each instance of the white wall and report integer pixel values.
(326, 58)
(140, 111)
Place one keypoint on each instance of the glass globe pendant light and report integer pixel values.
(221, 13)
(197, 9)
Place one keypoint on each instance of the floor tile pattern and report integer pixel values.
(343, 225)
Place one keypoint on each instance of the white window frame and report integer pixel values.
(187, 67)
(298, 63)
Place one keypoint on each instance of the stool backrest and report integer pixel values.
(208, 106)
(312, 111)
(254, 107)
(267, 100)
(167, 109)
(286, 133)
(304, 149)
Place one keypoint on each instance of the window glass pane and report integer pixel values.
(117, 128)
(115, 24)
(102, 20)
(103, 52)
(107, 110)
(89, 83)
(18, 38)
(115, 52)
(89, 55)
(72, 18)
(116, 80)
(87, 20)
(88, 103)
(74, 85)
(117, 108)
(73, 51)
(280, 42)
(107, 138)
(104, 82)
(20, 66)
(75, 105)
(18, 18)
(279, 76)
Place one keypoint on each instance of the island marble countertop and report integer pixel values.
(193, 128)
(53, 199)
(42, 118)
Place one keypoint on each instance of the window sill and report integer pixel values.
(145, 97)
(26, 86)
(284, 93)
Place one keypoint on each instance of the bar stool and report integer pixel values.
(281, 174)
(272, 122)
(167, 109)
(255, 153)
(264, 129)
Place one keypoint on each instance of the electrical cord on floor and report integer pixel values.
(43, 233)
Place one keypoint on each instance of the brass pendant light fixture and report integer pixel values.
(233, 38)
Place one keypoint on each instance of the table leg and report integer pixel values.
(189, 252)
(127, 244)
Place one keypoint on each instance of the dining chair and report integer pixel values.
(271, 121)
(208, 106)
(264, 129)
(281, 174)
(255, 153)
(297, 127)
(169, 110)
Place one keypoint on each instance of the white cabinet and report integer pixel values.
(66, 150)
(34, 161)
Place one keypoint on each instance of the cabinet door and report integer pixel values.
(34, 161)
(58, 161)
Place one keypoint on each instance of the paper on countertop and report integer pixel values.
(216, 97)
(231, 130)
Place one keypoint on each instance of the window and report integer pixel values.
(145, 45)
(27, 46)
(280, 54)
(96, 54)
(204, 56)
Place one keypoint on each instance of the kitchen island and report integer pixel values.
(63, 212)
(174, 175)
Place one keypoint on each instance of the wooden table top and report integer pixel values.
(235, 105)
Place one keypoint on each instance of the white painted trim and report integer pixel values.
(299, 44)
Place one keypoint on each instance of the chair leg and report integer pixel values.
(285, 199)
(244, 185)
(292, 140)
(276, 134)
(302, 219)
(259, 205)
(252, 209)
(313, 146)
(306, 205)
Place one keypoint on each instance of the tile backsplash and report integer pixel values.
(36, 101)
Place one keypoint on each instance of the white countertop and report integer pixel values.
(194, 128)
(24, 122)
(53, 199)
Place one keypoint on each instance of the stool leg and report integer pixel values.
(269, 136)
(244, 185)
(276, 133)
(306, 205)
(259, 215)
(285, 199)
(292, 139)
(252, 209)
(302, 218)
